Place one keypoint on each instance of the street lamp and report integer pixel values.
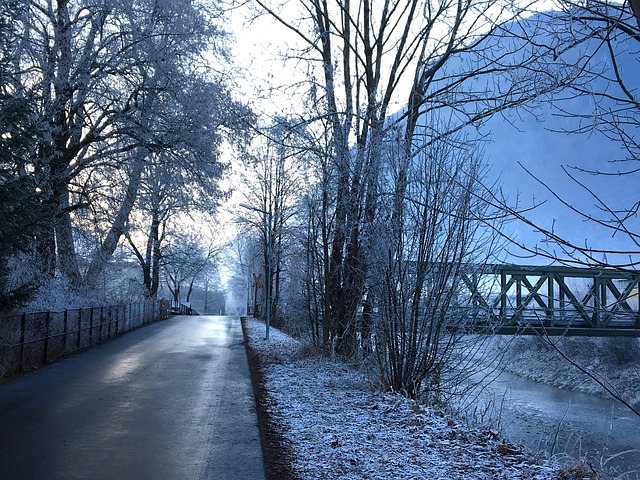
(267, 317)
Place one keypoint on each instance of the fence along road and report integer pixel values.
(170, 401)
(30, 340)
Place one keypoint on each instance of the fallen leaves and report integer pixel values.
(506, 448)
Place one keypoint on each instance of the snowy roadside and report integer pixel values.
(335, 426)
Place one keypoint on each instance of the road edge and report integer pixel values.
(277, 455)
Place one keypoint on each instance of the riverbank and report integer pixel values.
(614, 361)
(325, 421)
(535, 396)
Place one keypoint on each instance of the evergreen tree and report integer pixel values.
(19, 203)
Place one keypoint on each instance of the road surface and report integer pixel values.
(170, 401)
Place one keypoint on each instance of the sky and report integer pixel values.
(534, 144)
(259, 44)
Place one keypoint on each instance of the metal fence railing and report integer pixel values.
(30, 340)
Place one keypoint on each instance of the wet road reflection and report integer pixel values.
(168, 401)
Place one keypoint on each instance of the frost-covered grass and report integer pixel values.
(339, 427)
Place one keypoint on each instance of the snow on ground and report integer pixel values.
(340, 428)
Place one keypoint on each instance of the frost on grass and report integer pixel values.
(279, 348)
(339, 428)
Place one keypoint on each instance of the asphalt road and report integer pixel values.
(169, 401)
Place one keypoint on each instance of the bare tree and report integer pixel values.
(185, 261)
(273, 183)
(367, 57)
(447, 231)
(238, 256)
(182, 181)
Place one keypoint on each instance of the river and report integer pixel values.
(541, 417)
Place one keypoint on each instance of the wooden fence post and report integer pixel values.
(65, 329)
(45, 347)
(101, 322)
(91, 326)
(23, 321)
(79, 328)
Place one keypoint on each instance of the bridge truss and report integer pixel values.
(551, 300)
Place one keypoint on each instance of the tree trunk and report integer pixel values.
(66, 249)
(151, 266)
(45, 244)
(110, 242)
(193, 281)
(635, 7)
(155, 268)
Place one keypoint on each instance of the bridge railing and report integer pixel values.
(182, 308)
(30, 340)
(554, 299)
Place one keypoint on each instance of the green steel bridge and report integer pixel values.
(550, 300)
